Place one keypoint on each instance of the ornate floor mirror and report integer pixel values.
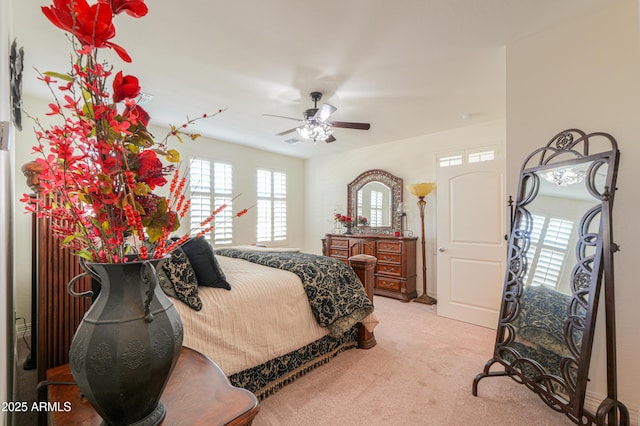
(560, 256)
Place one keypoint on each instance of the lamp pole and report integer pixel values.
(423, 298)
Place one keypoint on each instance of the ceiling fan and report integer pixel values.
(314, 125)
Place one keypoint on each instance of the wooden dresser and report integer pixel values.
(395, 273)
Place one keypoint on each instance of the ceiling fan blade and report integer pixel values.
(330, 139)
(281, 116)
(348, 125)
(286, 132)
(324, 112)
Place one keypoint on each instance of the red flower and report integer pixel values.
(91, 25)
(136, 114)
(125, 87)
(135, 8)
(101, 162)
(150, 169)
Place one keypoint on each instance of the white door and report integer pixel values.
(472, 217)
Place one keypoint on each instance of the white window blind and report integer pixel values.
(549, 238)
(468, 156)
(548, 267)
(477, 157)
(211, 186)
(272, 205)
(376, 208)
(536, 228)
(451, 160)
(558, 233)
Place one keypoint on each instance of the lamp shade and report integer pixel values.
(421, 189)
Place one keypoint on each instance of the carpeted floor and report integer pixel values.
(419, 373)
(26, 382)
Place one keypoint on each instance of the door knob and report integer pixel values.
(442, 249)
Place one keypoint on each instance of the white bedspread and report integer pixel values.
(239, 329)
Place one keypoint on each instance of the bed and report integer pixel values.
(271, 315)
(540, 328)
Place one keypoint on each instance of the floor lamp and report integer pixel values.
(421, 190)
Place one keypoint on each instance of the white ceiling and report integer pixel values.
(409, 67)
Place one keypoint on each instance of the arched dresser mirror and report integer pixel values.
(376, 195)
(560, 255)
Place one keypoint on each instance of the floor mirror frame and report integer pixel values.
(545, 335)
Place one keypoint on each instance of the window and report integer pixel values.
(272, 205)
(477, 157)
(451, 160)
(211, 186)
(376, 208)
(468, 156)
(549, 239)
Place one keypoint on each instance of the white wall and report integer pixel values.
(413, 160)
(586, 74)
(245, 161)
(7, 345)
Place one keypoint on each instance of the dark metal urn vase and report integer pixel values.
(127, 343)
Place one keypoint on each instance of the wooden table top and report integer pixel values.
(197, 392)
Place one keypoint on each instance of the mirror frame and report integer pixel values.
(393, 182)
(588, 275)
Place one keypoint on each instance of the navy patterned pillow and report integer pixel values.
(181, 275)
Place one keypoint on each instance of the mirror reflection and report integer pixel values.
(552, 225)
(374, 204)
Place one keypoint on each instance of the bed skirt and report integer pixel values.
(267, 378)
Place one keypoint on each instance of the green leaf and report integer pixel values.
(85, 254)
(173, 156)
(65, 77)
(154, 233)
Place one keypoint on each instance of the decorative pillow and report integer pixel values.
(165, 283)
(205, 264)
(181, 275)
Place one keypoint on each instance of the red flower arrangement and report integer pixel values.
(101, 165)
(345, 220)
(348, 220)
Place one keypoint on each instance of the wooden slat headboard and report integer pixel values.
(57, 313)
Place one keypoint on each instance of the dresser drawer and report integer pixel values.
(393, 246)
(339, 253)
(389, 269)
(390, 258)
(340, 243)
(387, 284)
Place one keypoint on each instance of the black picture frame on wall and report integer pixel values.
(16, 66)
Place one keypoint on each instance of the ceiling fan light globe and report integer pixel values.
(315, 131)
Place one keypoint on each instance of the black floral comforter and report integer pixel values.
(336, 295)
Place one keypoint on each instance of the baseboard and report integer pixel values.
(592, 401)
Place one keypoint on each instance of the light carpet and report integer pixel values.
(420, 373)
